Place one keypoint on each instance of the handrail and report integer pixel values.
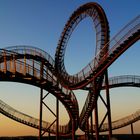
(24, 49)
(115, 42)
(28, 120)
(122, 122)
(100, 22)
(33, 68)
(119, 39)
(33, 122)
(123, 79)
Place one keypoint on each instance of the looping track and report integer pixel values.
(34, 66)
(97, 14)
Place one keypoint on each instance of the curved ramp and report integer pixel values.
(123, 81)
(123, 40)
(24, 69)
(36, 67)
(18, 116)
(117, 46)
(126, 80)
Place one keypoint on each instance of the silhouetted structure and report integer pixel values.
(33, 66)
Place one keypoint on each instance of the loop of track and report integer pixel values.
(97, 14)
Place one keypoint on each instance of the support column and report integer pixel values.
(108, 105)
(96, 120)
(87, 129)
(132, 130)
(24, 65)
(91, 123)
(57, 119)
(5, 63)
(15, 64)
(49, 135)
(73, 130)
(40, 118)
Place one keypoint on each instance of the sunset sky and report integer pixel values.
(39, 23)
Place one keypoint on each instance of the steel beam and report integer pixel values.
(49, 136)
(24, 70)
(108, 105)
(73, 130)
(132, 130)
(5, 63)
(96, 119)
(87, 125)
(91, 122)
(40, 117)
(57, 119)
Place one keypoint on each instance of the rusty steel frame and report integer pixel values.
(132, 129)
(108, 105)
(108, 113)
(104, 58)
(41, 133)
(40, 117)
(91, 123)
(96, 120)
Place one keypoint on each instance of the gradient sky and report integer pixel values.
(39, 23)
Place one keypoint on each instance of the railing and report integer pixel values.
(23, 49)
(36, 70)
(101, 26)
(84, 109)
(33, 68)
(115, 42)
(38, 52)
(29, 120)
(132, 79)
(125, 79)
(122, 122)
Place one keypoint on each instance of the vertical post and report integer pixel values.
(85, 135)
(14, 63)
(91, 123)
(21, 67)
(5, 63)
(49, 135)
(96, 119)
(87, 129)
(57, 119)
(40, 118)
(41, 104)
(132, 130)
(33, 68)
(11, 68)
(24, 65)
(73, 130)
(108, 105)
(96, 110)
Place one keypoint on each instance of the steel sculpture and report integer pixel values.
(30, 65)
(27, 68)
(114, 82)
(97, 14)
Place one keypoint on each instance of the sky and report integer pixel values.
(39, 23)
